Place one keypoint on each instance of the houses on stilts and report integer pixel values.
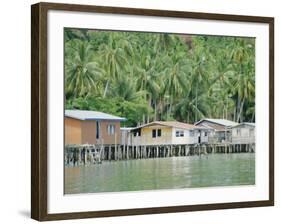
(91, 137)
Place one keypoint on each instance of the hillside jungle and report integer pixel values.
(152, 76)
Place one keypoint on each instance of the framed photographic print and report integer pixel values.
(140, 111)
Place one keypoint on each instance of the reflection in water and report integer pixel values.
(162, 173)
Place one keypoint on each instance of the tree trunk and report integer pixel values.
(170, 110)
(240, 115)
(143, 119)
(226, 109)
(253, 116)
(238, 108)
(149, 106)
(155, 111)
(196, 101)
(105, 89)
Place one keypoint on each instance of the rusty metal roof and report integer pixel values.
(175, 124)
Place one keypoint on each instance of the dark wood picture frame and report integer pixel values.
(39, 111)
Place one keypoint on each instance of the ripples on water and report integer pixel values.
(162, 173)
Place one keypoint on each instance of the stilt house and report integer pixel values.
(91, 127)
(221, 129)
(168, 133)
(243, 133)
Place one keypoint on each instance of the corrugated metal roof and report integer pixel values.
(91, 115)
(249, 123)
(206, 126)
(127, 128)
(174, 124)
(223, 122)
(245, 123)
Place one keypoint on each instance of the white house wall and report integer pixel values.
(204, 139)
(245, 135)
(168, 136)
(186, 139)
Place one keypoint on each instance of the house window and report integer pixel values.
(137, 133)
(97, 130)
(111, 129)
(154, 133)
(191, 133)
(179, 133)
(206, 133)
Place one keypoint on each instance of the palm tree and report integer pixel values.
(113, 57)
(200, 74)
(82, 73)
(163, 42)
(126, 88)
(244, 87)
(189, 110)
(243, 82)
(167, 76)
(221, 85)
(175, 78)
(148, 79)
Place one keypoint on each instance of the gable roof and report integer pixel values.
(91, 115)
(223, 122)
(245, 123)
(126, 128)
(174, 124)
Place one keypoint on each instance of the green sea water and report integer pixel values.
(162, 173)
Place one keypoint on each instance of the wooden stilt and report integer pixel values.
(179, 152)
(79, 157)
(157, 152)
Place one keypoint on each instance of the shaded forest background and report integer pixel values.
(149, 76)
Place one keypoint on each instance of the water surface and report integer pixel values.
(162, 173)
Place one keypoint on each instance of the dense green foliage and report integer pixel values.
(147, 76)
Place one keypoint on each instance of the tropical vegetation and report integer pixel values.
(158, 76)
